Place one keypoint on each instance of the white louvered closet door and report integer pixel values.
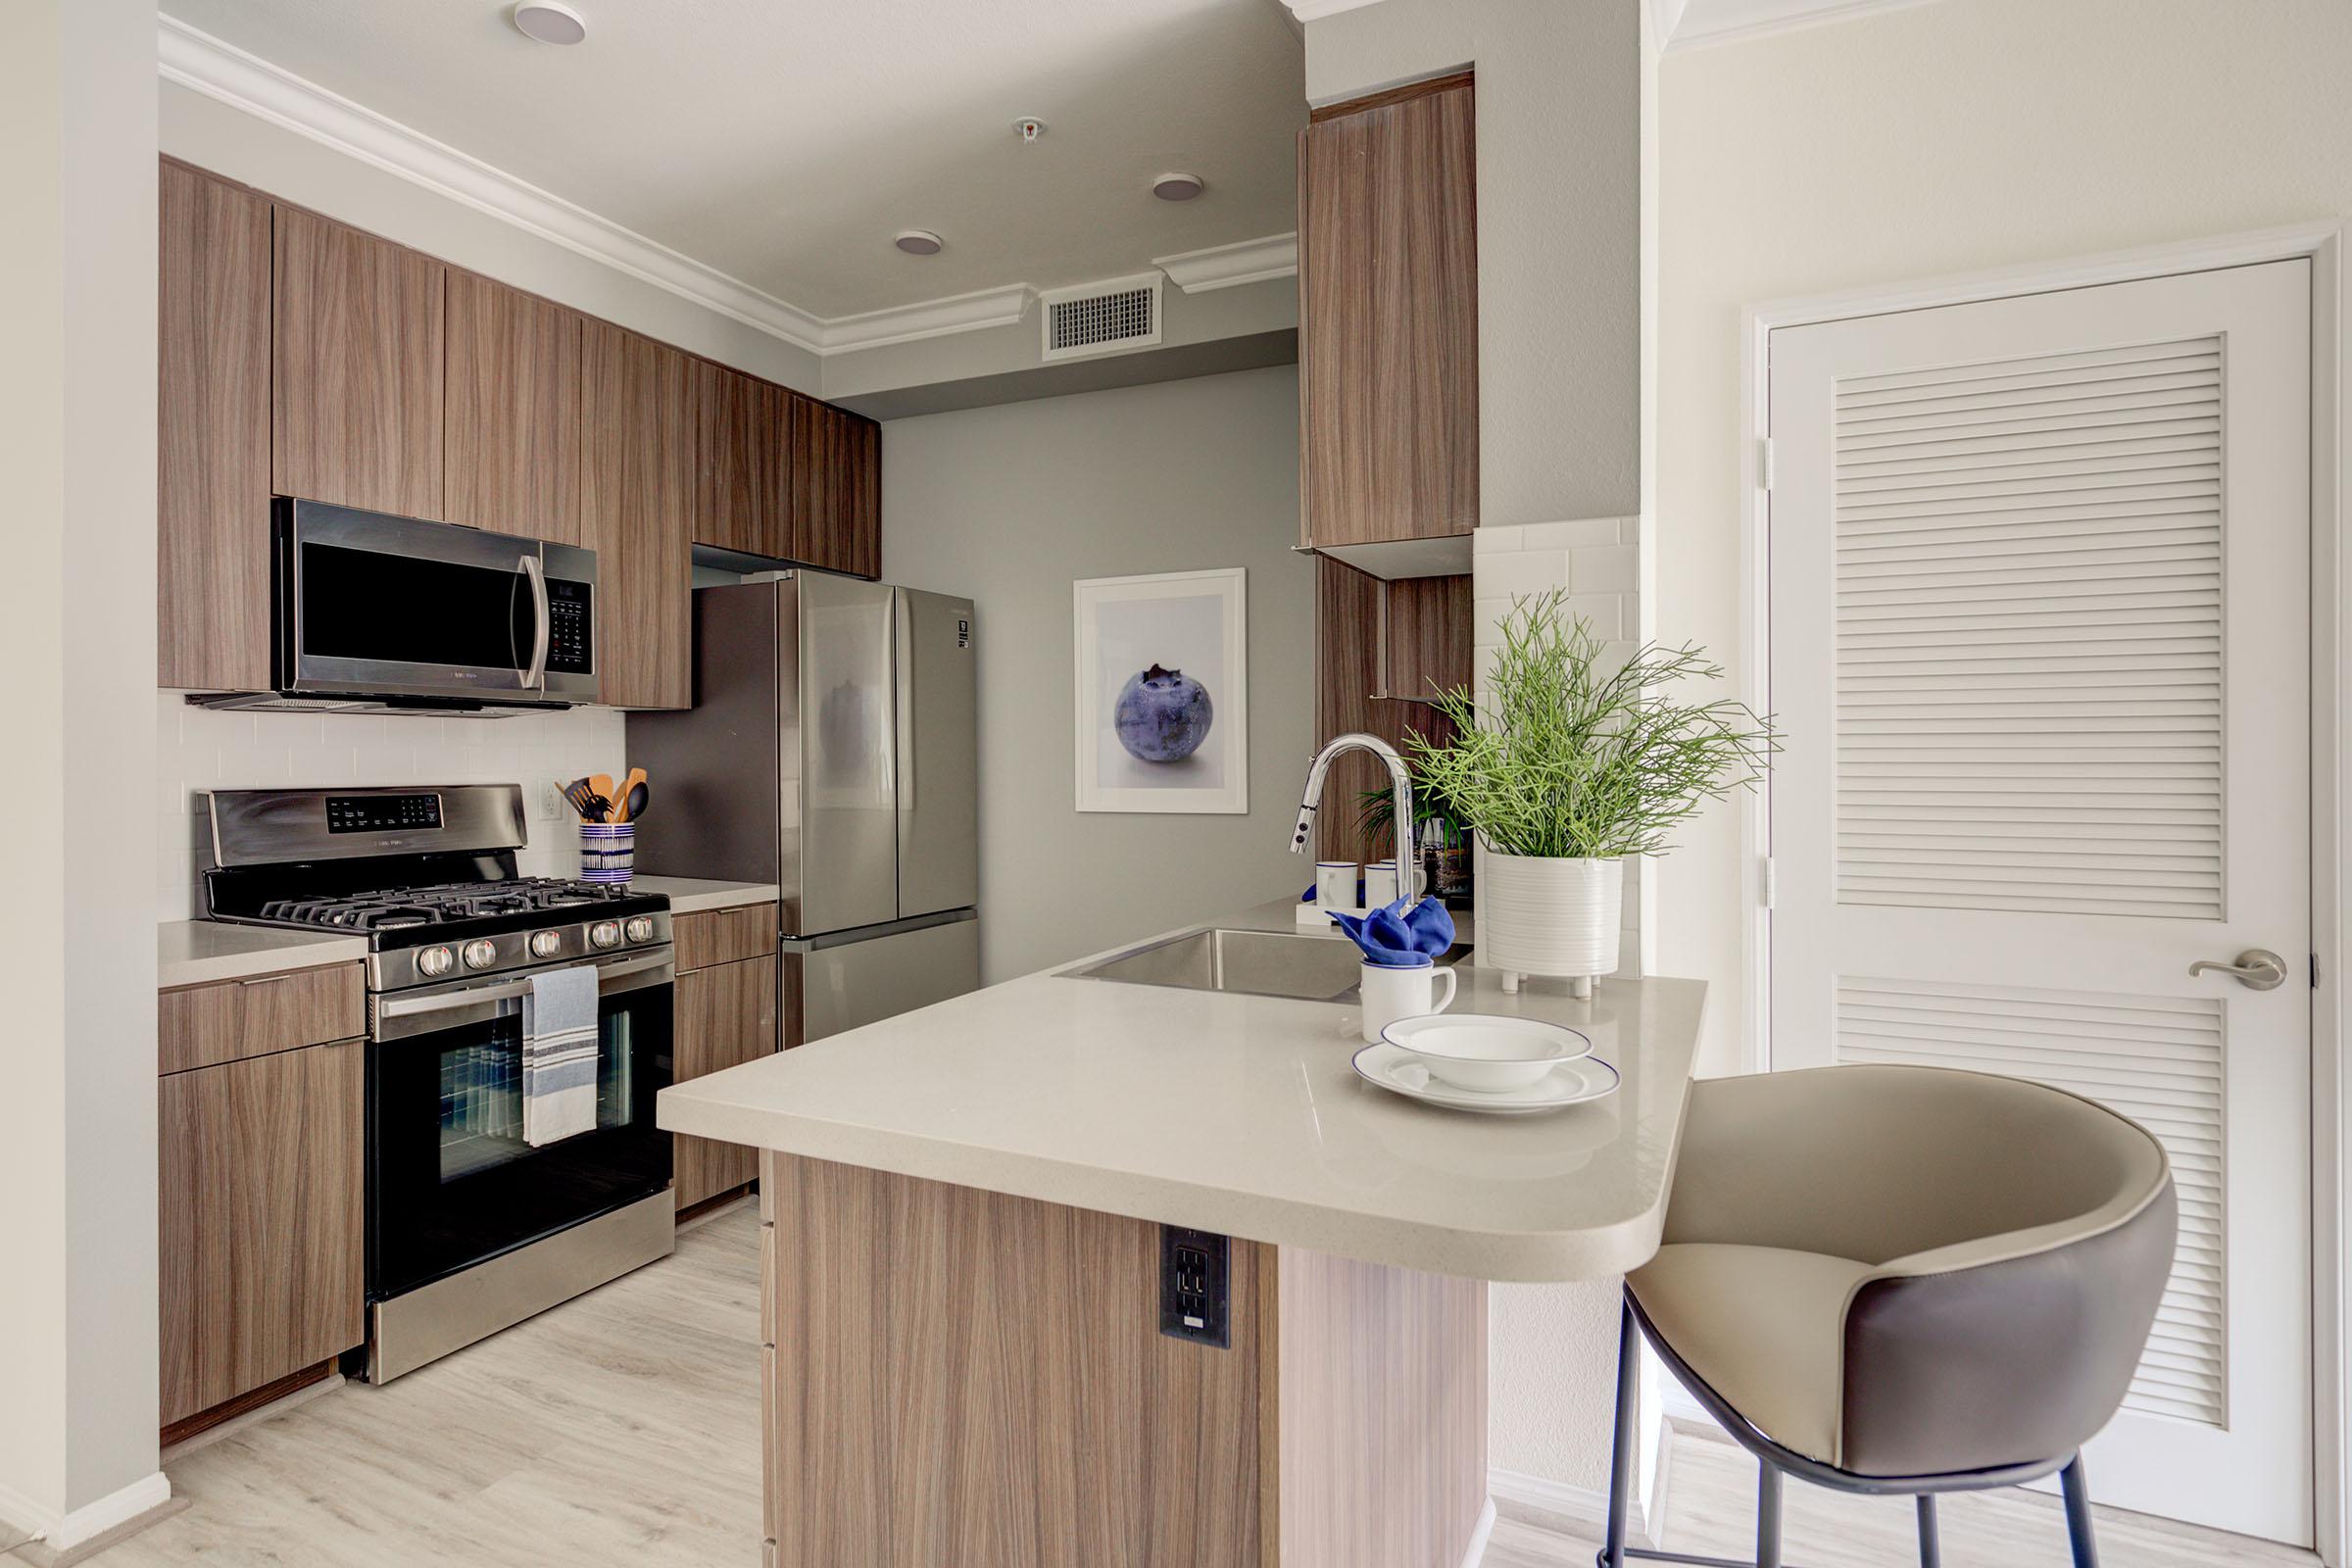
(2040, 643)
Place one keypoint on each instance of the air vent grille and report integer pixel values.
(1103, 318)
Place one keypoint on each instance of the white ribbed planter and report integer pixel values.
(1541, 915)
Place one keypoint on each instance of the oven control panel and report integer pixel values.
(382, 814)
(571, 633)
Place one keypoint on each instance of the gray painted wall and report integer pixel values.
(1009, 506)
(78, 1096)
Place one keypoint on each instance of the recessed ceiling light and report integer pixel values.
(549, 22)
(920, 242)
(1177, 187)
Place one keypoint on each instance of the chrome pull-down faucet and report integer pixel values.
(1400, 783)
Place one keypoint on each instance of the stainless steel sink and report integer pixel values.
(1262, 964)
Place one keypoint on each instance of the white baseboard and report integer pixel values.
(63, 1532)
(1557, 1505)
(1476, 1553)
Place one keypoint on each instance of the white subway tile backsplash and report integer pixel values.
(1583, 535)
(201, 749)
(1518, 571)
(1496, 539)
(1605, 569)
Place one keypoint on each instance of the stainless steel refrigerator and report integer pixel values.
(833, 748)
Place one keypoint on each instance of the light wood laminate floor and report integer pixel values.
(624, 1429)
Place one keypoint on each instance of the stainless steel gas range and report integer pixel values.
(470, 1228)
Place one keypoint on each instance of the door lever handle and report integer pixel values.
(2256, 969)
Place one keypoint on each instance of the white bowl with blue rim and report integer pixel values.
(1488, 1053)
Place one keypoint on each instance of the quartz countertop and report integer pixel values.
(690, 895)
(1240, 1115)
(194, 952)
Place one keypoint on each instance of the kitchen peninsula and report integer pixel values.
(981, 1215)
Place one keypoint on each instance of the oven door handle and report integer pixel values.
(510, 990)
(534, 675)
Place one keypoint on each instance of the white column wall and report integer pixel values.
(77, 1099)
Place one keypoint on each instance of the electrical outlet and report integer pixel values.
(1195, 1301)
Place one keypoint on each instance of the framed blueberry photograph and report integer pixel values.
(1163, 693)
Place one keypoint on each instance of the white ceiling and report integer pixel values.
(784, 142)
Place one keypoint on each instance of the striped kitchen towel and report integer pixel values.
(558, 1055)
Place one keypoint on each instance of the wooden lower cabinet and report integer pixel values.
(726, 1015)
(260, 1220)
(956, 1376)
(204, 1026)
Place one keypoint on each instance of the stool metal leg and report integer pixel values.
(1768, 1516)
(2077, 1514)
(1621, 1456)
(1931, 1547)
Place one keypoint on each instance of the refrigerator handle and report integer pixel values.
(903, 667)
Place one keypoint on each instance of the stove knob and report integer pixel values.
(435, 962)
(480, 954)
(546, 944)
(641, 928)
(605, 934)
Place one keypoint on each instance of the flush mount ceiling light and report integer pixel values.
(1177, 187)
(920, 242)
(549, 22)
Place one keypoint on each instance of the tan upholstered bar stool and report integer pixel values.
(1901, 1280)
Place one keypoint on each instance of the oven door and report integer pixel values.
(377, 606)
(451, 1180)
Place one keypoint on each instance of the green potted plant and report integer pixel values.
(1573, 762)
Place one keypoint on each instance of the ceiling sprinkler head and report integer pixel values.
(1028, 128)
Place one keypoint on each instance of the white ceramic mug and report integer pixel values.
(1393, 991)
(1381, 885)
(1335, 883)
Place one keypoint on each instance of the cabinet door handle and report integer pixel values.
(264, 980)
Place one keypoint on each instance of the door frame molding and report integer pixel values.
(2322, 243)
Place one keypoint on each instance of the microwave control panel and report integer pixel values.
(571, 634)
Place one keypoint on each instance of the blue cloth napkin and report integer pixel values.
(1400, 938)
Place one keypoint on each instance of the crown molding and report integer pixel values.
(206, 65)
(1681, 25)
(905, 324)
(1316, 10)
(1249, 261)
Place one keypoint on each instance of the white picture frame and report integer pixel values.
(1178, 638)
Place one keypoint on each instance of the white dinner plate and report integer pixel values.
(1569, 1083)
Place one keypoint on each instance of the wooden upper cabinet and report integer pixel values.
(212, 496)
(1387, 331)
(744, 500)
(510, 414)
(356, 410)
(837, 503)
(637, 500)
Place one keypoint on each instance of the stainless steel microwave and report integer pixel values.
(372, 607)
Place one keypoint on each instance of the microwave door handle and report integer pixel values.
(534, 677)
